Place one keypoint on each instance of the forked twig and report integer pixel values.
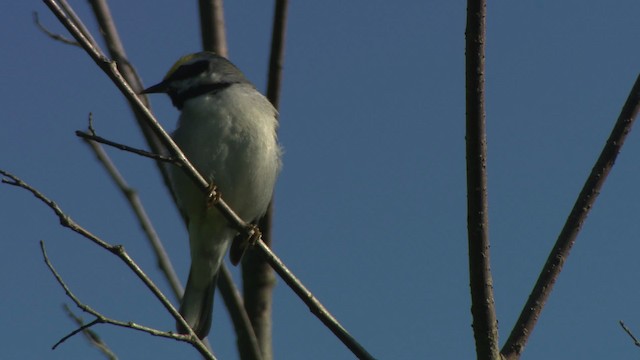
(100, 319)
(119, 251)
(52, 35)
(94, 339)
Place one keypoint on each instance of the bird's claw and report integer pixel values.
(213, 195)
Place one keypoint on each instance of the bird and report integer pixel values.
(228, 130)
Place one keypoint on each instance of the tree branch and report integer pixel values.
(636, 342)
(56, 37)
(100, 319)
(485, 324)
(119, 251)
(537, 299)
(212, 29)
(117, 52)
(92, 138)
(247, 341)
(89, 334)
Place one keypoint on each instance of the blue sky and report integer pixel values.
(370, 205)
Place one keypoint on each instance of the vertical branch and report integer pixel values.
(213, 34)
(258, 278)
(590, 191)
(276, 59)
(247, 341)
(485, 326)
(214, 37)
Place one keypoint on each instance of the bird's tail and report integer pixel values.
(197, 304)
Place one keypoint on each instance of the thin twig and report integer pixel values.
(164, 263)
(100, 318)
(636, 342)
(94, 339)
(567, 237)
(485, 323)
(75, 19)
(233, 219)
(119, 251)
(93, 137)
(54, 36)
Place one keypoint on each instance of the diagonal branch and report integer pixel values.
(537, 299)
(93, 138)
(117, 250)
(117, 52)
(636, 342)
(101, 319)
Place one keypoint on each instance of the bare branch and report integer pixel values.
(101, 319)
(95, 138)
(276, 58)
(212, 29)
(567, 237)
(119, 251)
(91, 336)
(636, 342)
(247, 341)
(56, 37)
(485, 323)
(73, 17)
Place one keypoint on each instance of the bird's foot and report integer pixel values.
(213, 195)
(242, 242)
(253, 235)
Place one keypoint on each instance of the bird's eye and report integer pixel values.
(189, 71)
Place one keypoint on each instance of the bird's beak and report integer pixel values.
(161, 87)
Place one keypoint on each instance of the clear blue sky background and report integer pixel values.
(370, 206)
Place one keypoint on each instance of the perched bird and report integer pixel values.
(227, 130)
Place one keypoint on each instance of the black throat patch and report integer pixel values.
(178, 99)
